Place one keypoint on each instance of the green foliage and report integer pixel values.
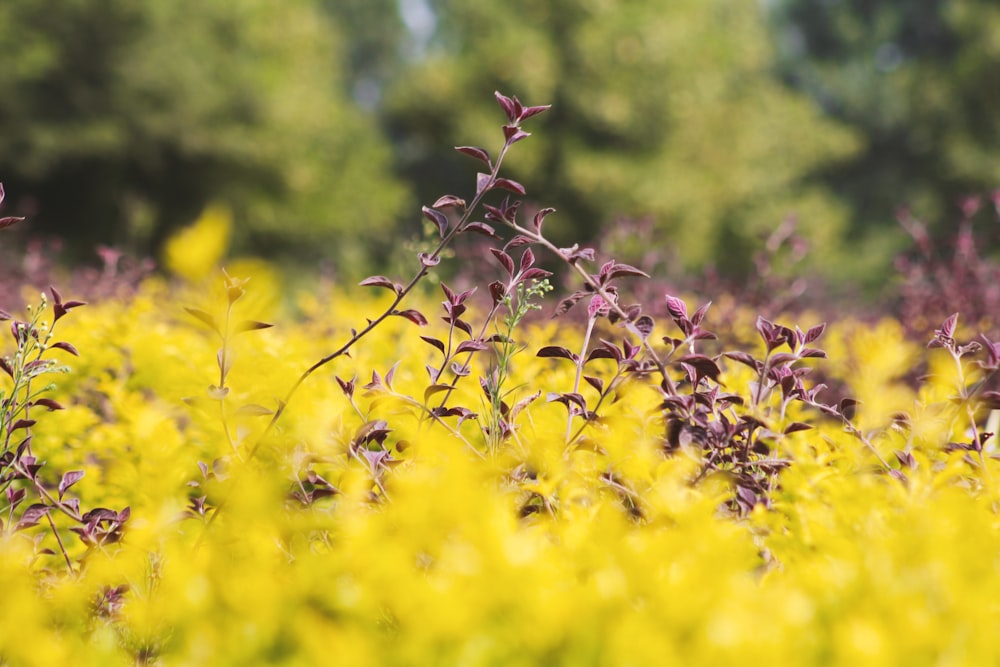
(916, 79)
(669, 110)
(122, 120)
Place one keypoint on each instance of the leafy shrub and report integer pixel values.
(938, 278)
(474, 488)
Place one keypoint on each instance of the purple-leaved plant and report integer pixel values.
(448, 227)
(738, 431)
(933, 284)
(30, 492)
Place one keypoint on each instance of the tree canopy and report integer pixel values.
(918, 79)
(122, 120)
(664, 110)
(315, 122)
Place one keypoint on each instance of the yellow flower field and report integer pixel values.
(362, 529)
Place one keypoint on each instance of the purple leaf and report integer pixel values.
(905, 459)
(462, 413)
(992, 352)
(514, 134)
(596, 383)
(702, 365)
(574, 254)
(766, 329)
(346, 386)
(568, 303)
(483, 182)
(782, 358)
(449, 201)
(67, 347)
(528, 112)
(795, 427)
(69, 305)
(510, 185)
(598, 306)
(471, 346)
(505, 260)
(555, 351)
(390, 375)
(5, 367)
(493, 213)
(746, 498)
(847, 406)
(437, 217)
(19, 331)
(68, 480)
(10, 221)
(948, 326)
(498, 291)
(540, 218)
(376, 381)
(435, 389)
(699, 314)
(414, 316)
(462, 297)
(15, 496)
(814, 333)
(535, 273)
(517, 241)
(48, 403)
(433, 341)
(22, 423)
(481, 228)
(100, 514)
(527, 259)
(32, 515)
(605, 353)
(644, 325)
(508, 105)
(37, 364)
(676, 307)
(567, 398)
(476, 152)
(621, 270)
(379, 281)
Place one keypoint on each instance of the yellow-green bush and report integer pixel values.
(529, 554)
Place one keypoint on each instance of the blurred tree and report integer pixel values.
(920, 81)
(663, 109)
(377, 47)
(122, 120)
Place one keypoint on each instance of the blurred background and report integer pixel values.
(318, 127)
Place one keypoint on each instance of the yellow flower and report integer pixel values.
(194, 251)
